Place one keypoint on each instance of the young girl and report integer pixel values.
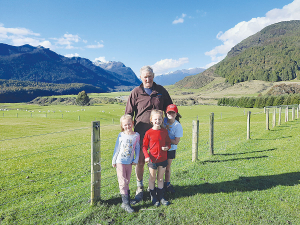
(175, 133)
(158, 142)
(126, 154)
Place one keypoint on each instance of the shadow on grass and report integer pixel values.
(230, 160)
(243, 153)
(264, 139)
(243, 184)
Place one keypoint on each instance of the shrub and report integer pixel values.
(82, 98)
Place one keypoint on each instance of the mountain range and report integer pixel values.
(272, 54)
(39, 64)
(173, 77)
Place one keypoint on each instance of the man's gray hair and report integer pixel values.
(147, 69)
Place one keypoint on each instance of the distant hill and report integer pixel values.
(39, 64)
(197, 81)
(272, 54)
(173, 77)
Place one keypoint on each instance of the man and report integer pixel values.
(141, 101)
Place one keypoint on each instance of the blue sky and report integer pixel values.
(166, 34)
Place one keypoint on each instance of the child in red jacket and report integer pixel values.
(158, 142)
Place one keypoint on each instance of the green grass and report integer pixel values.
(45, 169)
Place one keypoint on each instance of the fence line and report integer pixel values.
(37, 135)
(195, 132)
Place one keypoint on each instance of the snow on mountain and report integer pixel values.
(120, 69)
(173, 77)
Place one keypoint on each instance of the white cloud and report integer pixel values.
(8, 32)
(179, 20)
(72, 55)
(98, 45)
(18, 41)
(22, 36)
(101, 58)
(67, 40)
(245, 29)
(165, 65)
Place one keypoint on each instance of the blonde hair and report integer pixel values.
(156, 111)
(125, 117)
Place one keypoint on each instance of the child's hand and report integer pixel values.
(133, 163)
(166, 148)
(147, 160)
(114, 165)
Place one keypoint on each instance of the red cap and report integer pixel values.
(172, 107)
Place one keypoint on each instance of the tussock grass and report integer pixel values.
(45, 164)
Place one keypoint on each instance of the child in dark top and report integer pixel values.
(127, 146)
(158, 142)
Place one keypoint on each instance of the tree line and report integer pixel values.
(261, 101)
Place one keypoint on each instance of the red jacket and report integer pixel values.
(154, 140)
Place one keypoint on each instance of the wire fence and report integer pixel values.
(48, 183)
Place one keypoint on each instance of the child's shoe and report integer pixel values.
(160, 196)
(154, 199)
(126, 203)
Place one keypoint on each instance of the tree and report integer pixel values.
(82, 98)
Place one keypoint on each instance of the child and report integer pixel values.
(175, 133)
(127, 145)
(158, 142)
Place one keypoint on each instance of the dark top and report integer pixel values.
(140, 104)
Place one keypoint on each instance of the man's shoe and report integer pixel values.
(138, 196)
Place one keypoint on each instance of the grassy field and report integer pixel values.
(45, 169)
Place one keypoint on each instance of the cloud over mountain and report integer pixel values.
(164, 65)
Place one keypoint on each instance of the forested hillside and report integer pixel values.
(24, 91)
(273, 54)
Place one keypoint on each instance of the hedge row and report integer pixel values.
(260, 102)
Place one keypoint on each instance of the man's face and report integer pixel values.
(147, 79)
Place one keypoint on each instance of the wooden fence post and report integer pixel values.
(248, 125)
(211, 133)
(267, 119)
(95, 163)
(274, 118)
(279, 116)
(297, 113)
(195, 139)
(293, 113)
(287, 114)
